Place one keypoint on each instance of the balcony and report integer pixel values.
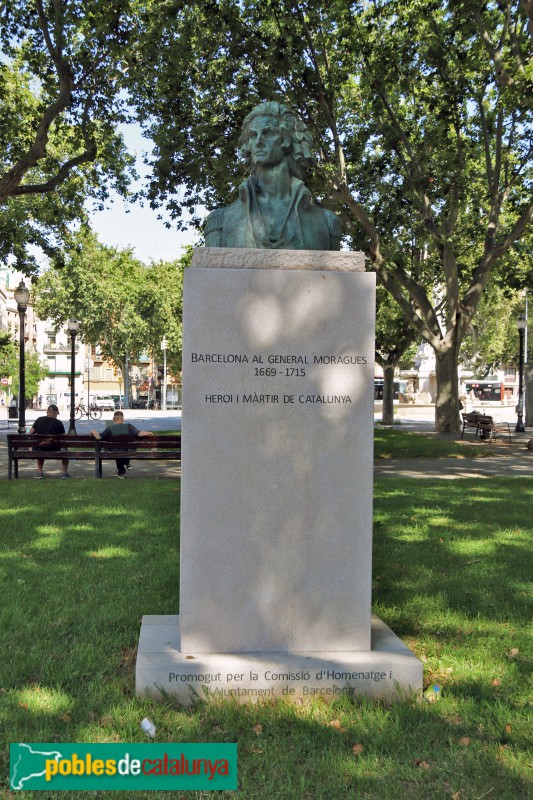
(56, 347)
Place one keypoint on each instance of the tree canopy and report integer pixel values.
(124, 307)
(61, 92)
(421, 117)
(34, 368)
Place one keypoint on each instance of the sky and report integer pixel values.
(125, 224)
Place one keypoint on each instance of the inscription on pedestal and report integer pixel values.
(388, 670)
(276, 518)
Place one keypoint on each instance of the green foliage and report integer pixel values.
(420, 114)
(493, 338)
(61, 84)
(124, 307)
(35, 368)
(394, 334)
(8, 356)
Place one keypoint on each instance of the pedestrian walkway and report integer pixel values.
(511, 466)
(505, 459)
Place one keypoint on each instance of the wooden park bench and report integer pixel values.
(485, 426)
(145, 448)
(24, 446)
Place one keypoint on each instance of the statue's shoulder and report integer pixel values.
(334, 224)
(334, 228)
(215, 220)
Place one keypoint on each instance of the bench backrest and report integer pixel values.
(157, 442)
(471, 417)
(485, 421)
(25, 441)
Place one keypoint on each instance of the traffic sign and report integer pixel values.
(5, 381)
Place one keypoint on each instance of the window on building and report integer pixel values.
(510, 373)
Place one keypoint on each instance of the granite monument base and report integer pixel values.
(388, 671)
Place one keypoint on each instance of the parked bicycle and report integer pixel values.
(93, 413)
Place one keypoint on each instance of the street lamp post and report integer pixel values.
(521, 325)
(22, 295)
(164, 392)
(72, 326)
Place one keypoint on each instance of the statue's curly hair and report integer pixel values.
(298, 149)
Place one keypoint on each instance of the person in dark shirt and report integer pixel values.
(49, 424)
(120, 428)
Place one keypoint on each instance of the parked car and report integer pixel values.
(103, 401)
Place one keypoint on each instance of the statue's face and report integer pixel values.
(265, 141)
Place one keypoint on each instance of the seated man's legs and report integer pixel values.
(122, 464)
(40, 465)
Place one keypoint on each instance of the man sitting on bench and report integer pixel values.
(120, 428)
(49, 425)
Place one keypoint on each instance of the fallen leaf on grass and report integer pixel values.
(422, 764)
(336, 723)
(508, 728)
(357, 749)
(464, 740)
(456, 796)
(255, 749)
(496, 682)
(258, 729)
(65, 718)
(25, 706)
(514, 652)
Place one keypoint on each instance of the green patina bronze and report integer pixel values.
(275, 209)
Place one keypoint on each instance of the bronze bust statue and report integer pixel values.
(275, 209)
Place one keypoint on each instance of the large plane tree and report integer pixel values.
(61, 99)
(421, 117)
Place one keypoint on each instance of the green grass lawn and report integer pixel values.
(393, 443)
(390, 443)
(79, 568)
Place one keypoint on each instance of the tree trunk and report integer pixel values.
(387, 413)
(447, 403)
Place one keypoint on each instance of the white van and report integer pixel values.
(103, 401)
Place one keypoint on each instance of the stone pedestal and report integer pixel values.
(276, 514)
(388, 670)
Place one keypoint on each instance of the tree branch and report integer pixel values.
(10, 181)
(502, 76)
(328, 111)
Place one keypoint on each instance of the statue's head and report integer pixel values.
(297, 139)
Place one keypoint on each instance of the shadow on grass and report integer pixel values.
(80, 568)
(461, 546)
